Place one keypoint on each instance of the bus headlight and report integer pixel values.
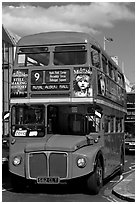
(81, 162)
(16, 161)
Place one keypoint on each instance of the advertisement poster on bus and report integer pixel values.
(19, 83)
(82, 84)
(109, 89)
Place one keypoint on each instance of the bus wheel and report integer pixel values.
(95, 180)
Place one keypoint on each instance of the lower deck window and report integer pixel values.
(67, 120)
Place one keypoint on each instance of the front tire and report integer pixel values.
(95, 180)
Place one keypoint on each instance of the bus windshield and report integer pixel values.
(66, 120)
(28, 120)
(33, 56)
(70, 55)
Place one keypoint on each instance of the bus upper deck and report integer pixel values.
(58, 63)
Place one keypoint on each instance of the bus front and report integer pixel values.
(55, 125)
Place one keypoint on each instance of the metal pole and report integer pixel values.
(3, 95)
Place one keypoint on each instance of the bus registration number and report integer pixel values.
(48, 180)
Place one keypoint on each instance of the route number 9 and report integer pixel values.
(37, 76)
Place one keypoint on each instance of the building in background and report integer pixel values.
(9, 41)
(129, 87)
(130, 123)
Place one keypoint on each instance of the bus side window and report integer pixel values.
(94, 124)
(120, 80)
(115, 74)
(111, 124)
(95, 58)
(123, 81)
(119, 125)
(104, 64)
(101, 84)
(107, 124)
(110, 70)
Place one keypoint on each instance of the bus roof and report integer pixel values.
(59, 37)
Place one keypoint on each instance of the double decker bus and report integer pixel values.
(67, 111)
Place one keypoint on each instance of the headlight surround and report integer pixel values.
(16, 160)
(81, 162)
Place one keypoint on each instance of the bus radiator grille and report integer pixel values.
(48, 164)
(58, 165)
(37, 165)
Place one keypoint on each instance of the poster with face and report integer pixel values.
(82, 86)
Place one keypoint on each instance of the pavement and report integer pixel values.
(125, 189)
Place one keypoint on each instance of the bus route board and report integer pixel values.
(50, 80)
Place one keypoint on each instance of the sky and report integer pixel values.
(109, 19)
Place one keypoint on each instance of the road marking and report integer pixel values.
(110, 199)
(129, 171)
(113, 199)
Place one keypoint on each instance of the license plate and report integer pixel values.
(48, 180)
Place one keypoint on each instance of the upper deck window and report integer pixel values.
(115, 74)
(33, 56)
(95, 58)
(104, 64)
(110, 70)
(70, 55)
(121, 79)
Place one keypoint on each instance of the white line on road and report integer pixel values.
(110, 198)
(129, 171)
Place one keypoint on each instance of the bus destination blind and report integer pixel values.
(50, 80)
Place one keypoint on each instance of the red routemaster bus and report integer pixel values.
(68, 104)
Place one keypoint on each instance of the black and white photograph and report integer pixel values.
(68, 101)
